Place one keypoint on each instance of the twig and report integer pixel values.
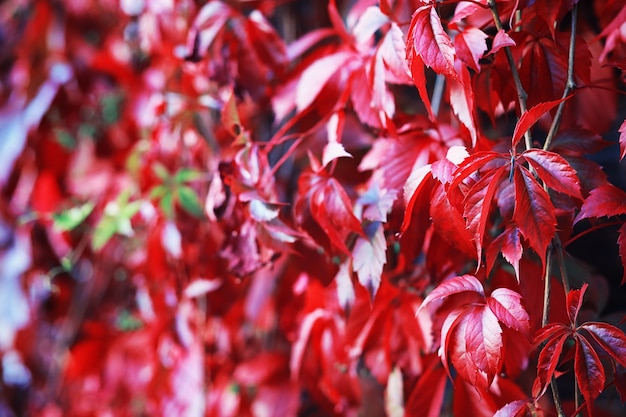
(544, 322)
(570, 85)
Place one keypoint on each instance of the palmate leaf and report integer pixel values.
(473, 330)
(591, 340)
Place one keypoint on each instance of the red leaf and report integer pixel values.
(529, 118)
(267, 43)
(575, 302)
(478, 204)
(554, 171)
(589, 370)
(501, 40)
(483, 338)
(426, 398)
(428, 39)
(470, 46)
(549, 357)
(299, 346)
(605, 200)
(329, 206)
(510, 245)
(533, 213)
(612, 339)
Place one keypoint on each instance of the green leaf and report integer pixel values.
(104, 231)
(187, 175)
(161, 171)
(70, 219)
(167, 205)
(189, 201)
(158, 192)
(130, 209)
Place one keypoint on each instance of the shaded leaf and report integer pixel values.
(71, 218)
(589, 371)
(611, 338)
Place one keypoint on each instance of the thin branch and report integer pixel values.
(544, 322)
(546, 288)
(521, 93)
(570, 85)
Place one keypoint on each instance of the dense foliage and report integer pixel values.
(282, 208)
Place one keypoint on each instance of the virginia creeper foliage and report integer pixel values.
(290, 208)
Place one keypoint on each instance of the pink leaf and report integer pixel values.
(517, 408)
(506, 304)
(392, 49)
(202, 286)
(315, 77)
(458, 284)
(428, 39)
(462, 101)
(470, 46)
(501, 40)
(369, 259)
(345, 288)
(529, 118)
(370, 21)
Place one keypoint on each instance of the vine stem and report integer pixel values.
(522, 96)
(544, 322)
(570, 85)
